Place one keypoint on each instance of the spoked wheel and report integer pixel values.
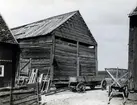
(92, 87)
(126, 92)
(72, 87)
(104, 85)
(80, 87)
(109, 90)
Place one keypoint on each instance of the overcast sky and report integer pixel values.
(107, 20)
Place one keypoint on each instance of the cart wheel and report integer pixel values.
(71, 87)
(92, 87)
(104, 85)
(109, 91)
(80, 87)
(126, 92)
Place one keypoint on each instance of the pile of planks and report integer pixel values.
(19, 96)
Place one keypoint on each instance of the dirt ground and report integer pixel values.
(90, 97)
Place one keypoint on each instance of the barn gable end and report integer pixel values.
(76, 29)
(5, 34)
(75, 49)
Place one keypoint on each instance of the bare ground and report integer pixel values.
(90, 97)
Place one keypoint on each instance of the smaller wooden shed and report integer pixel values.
(9, 52)
(132, 51)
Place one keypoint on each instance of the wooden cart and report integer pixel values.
(79, 83)
(119, 83)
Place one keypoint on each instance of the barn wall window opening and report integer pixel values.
(91, 47)
(1, 70)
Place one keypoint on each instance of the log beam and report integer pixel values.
(78, 64)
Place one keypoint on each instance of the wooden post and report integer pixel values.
(14, 61)
(117, 73)
(78, 65)
(29, 72)
(37, 85)
(131, 56)
(52, 57)
(96, 59)
(11, 88)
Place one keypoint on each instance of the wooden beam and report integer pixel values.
(96, 59)
(52, 57)
(78, 65)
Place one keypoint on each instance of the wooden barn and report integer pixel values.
(132, 64)
(9, 51)
(61, 45)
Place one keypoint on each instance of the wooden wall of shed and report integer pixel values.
(87, 60)
(38, 49)
(67, 36)
(66, 59)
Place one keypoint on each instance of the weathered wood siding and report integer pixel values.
(65, 59)
(38, 49)
(75, 29)
(72, 53)
(87, 60)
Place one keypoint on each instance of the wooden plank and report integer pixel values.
(65, 54)
(16, 92)
(96, 59)
(72, 37)
(66, 48)
(78, 64)
(40, 40)
(25, 100)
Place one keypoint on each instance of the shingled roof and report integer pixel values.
(134, 12)
(5, 33)
(42, 27)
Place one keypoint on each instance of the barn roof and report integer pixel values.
(134, 12)
(41, 27)
(5, 33)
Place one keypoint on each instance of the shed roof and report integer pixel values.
(5, 33)
(41, 27)
(134, 12)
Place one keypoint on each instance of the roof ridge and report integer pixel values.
(44, 19)
(133, 12)
(8, 34)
